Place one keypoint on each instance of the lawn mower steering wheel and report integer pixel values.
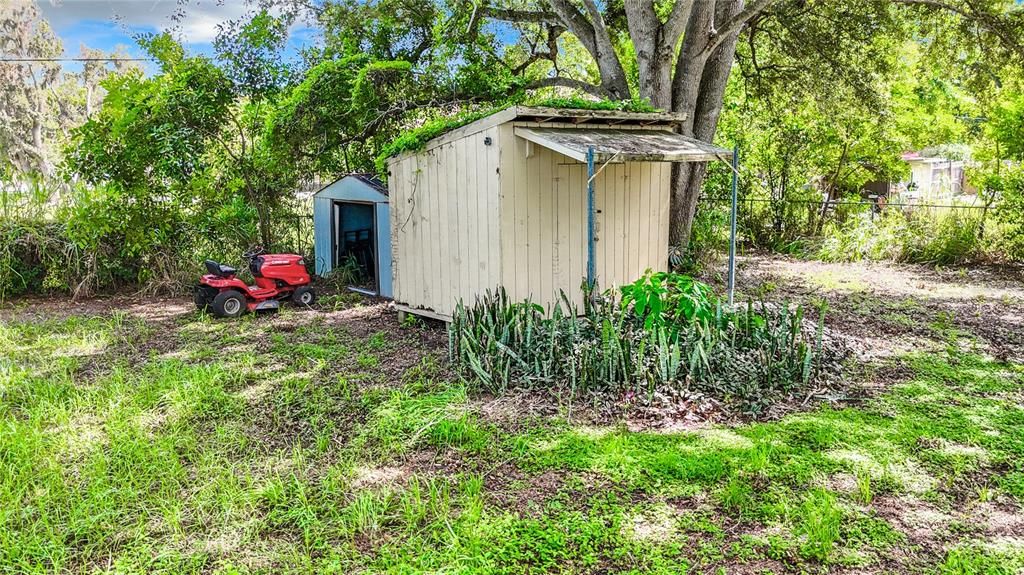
(257, 251)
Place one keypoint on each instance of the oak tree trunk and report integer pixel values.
(683, 64)
(700, 83)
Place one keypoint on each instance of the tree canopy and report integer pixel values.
(823, 88)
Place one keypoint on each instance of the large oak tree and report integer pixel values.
(683, 51)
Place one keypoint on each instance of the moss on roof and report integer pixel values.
(417, 138)
(638, 106)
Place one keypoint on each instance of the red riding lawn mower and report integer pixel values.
(279, 277)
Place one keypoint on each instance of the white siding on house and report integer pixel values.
(937, 180)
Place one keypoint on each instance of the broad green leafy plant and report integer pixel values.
(668, 299)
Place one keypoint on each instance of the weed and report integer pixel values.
(412, 321)
(377, 341)
(368, 512)
(458, 432)
(975, 560)
(366, 360)
(818, 521)
(344, 299)
(407, 419)
(348, 273)
(737, 496)
(871, 532)
(864, 493)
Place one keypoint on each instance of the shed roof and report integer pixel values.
(369, 180)
(611, 145)
(373, 181)
(541, 115)
(584, 115)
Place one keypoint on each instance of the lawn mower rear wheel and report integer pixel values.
(229, 303)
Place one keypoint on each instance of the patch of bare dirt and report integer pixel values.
(892, 309)
(932, 529)
(1000, 519)
(149, 308)
(421, 464)
(510, 489)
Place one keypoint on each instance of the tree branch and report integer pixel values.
(676, 23)
(576, 23)
(514, 15)
(573, 83)
(602, 39)
(988, 21)
(551, 54)
(643, 25)
(936, 4)
(737, 22)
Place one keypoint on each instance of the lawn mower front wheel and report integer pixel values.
(304, 296)
(229, 303)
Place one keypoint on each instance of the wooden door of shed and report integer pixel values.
(630, 223)
(569, 252)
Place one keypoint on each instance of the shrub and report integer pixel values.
(665, 333)
(77, 239)
(37, 256)
(1011, 212)
(673, 300)
(919, 236)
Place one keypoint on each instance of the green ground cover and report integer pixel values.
(312, 444)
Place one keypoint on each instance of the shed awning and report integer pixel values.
(612, 145)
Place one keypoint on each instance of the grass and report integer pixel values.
(973, 559)
(294, 446)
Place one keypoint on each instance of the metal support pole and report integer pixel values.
(732, 223)
(591, 209)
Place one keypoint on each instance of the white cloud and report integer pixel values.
(197, 22)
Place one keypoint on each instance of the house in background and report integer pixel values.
(934, 178)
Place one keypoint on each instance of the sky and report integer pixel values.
(109, 24)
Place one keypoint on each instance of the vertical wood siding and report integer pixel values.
(445, 223)
(544, 220)
(466, 217)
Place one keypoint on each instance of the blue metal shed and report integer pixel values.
(352, 226)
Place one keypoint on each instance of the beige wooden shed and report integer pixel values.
(505, 201)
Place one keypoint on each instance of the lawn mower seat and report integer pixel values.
(219, 270)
